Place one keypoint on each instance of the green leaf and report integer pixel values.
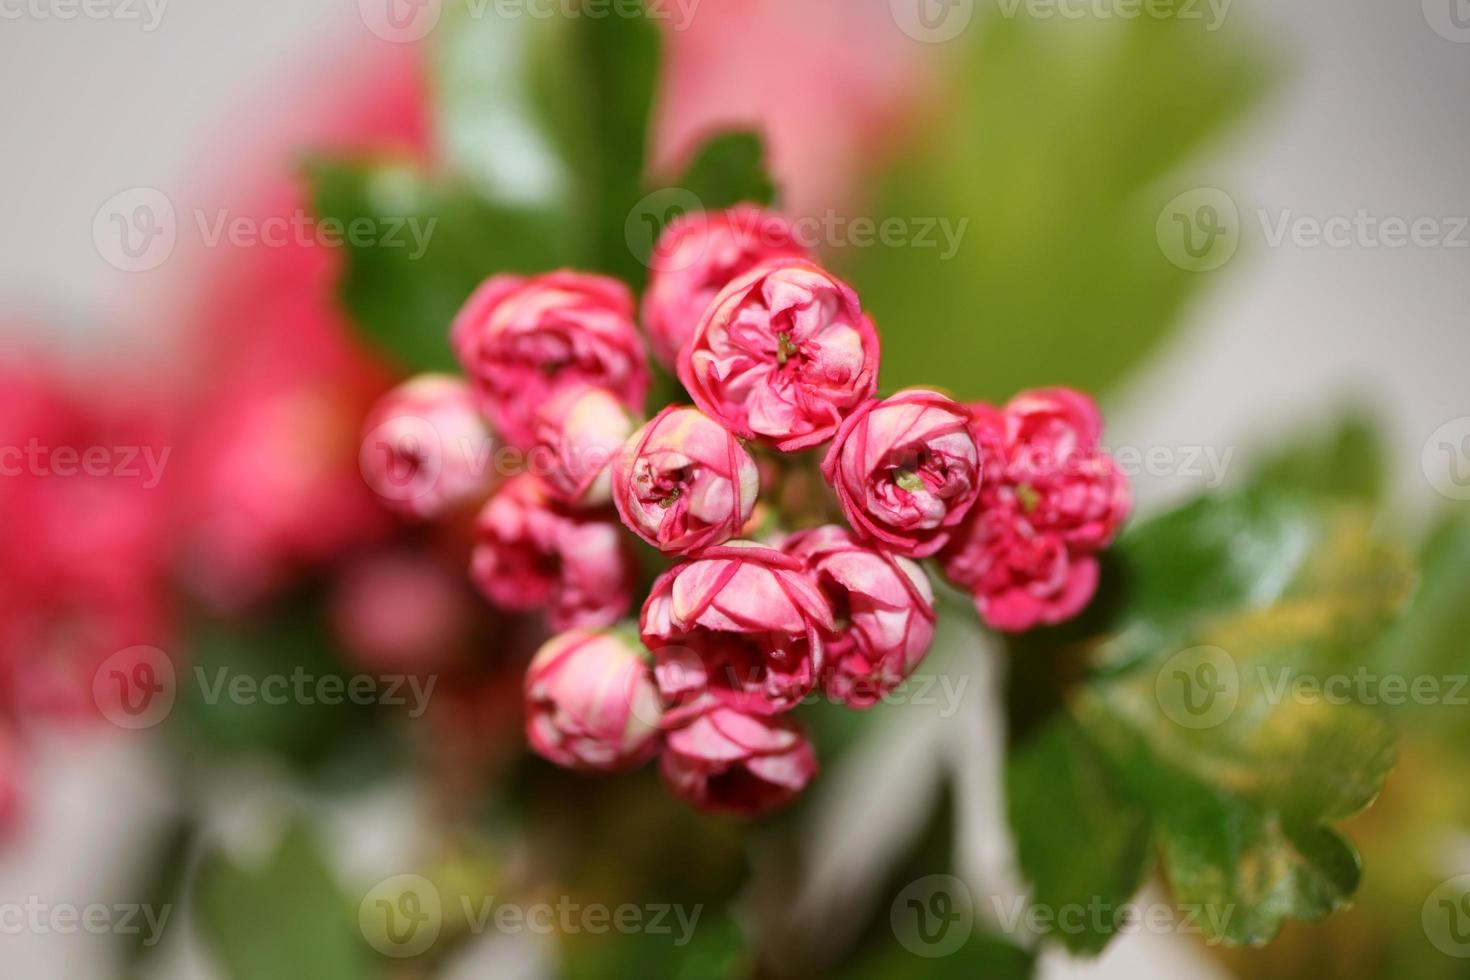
(730, 169)
(1180, 714)
(1052, 165)
(282, 921)
(402, 290)
(1347, 461)
(1431, 644)
(1084, 835)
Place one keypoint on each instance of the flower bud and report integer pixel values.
(591, 702)
(782, 355)
(1052, 499)
(683, 483)
(884, 607)
(725, 761)
(578, 434)
(741, 625)
(532, 553)
(698, 255)
(906, 470)
(522, 340)
(425, 447)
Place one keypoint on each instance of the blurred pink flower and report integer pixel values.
(281, 382)
(906, 470)
(591, 702)
(426, 450)
(683, 483)
(522, 340)
(532, 553)
(87, 503)
(578, 435)
(782, 355)
(402, 611)
(698, 255)
(832, 112)
(725, 761)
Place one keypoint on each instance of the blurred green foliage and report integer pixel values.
(1059, 144)
(285, 919)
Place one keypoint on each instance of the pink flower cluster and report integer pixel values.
(778, 356)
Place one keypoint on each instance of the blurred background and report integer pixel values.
(1233, 220)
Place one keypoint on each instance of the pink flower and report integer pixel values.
(831, 113)
(742, 625)
(698, 255)
(782, 355)
(402, 611)
(591, 702)
(523, 340)
(683, 483)
(745, 764)
(1052, 499)
(578, 434)
(425, 448)
(11, 792)
(906, 470)
(884, 607)
(532, 553)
